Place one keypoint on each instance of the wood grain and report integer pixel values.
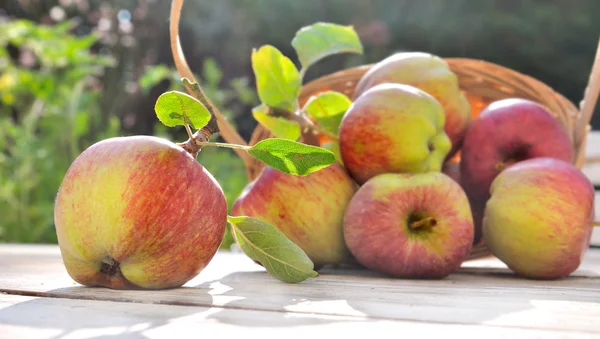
(592, 152)
(41, 318)
(483, 292)
(596, 233)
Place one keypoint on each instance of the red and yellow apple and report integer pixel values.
(393, 128)
(506, 132)
(410, 225)
(431, 74)
(308, 210)
(138, 212)
(538, 220)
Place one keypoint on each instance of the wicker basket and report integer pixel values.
(482, 82)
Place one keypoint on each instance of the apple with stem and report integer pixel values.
(138, 212)
(410, 225)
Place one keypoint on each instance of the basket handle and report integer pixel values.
(588, 104)
(227, 131)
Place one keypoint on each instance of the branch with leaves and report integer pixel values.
(278, 84)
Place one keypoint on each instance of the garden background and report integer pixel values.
(73, 72)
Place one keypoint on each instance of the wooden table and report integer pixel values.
(234, 296)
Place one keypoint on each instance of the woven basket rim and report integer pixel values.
(453, 62)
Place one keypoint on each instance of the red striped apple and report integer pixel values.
(431, 74)
(393, 128)
(309, 210)
(138, 212)
(508, 131)
(410, 225)
(538, 220)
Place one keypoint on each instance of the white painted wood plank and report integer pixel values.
(592, 151)
(484, 292)
(596, 233)
(46, 318)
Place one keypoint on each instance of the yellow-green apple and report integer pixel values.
(508, 131)
(538, 220)
(410, 225)
(393, 128)
(429, 73)
(308, 210)
(138, 212)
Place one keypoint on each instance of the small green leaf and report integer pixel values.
(315, 42)
(291, 157)
(277, 78)
(328, 108)
(281, 257)
(175, 108)
(279, 126)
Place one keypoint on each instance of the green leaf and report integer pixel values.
(291, 157)
(281, 257)
(328, 108)
(176, 108)
(315, 42)
(277, 78)
(279, 126)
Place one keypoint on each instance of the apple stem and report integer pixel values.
(315, 126)
(189, 131)
(425, 222)
(595, 223)
(225, 145)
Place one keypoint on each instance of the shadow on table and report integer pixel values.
(473, 296)
(336, 296)
(66, 315)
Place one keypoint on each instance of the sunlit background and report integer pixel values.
(73, 72)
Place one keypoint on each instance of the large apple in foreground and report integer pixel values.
(410, 225)
(393, 128)
(308, 210)
(538, 220)
(506, 132)
(431, 74)
(138, 212)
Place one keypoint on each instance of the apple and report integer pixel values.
(138, 212)
(308, 210)
(508, 131)
(393, 128)
(410, 225)
(431, 74)
(538, 220)
(452, 169)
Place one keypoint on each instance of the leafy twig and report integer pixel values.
(183, 68)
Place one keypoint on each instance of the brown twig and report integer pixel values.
(184, 70)
(302, 119)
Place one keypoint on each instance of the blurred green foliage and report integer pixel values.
(49, 114)
(77, 71)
